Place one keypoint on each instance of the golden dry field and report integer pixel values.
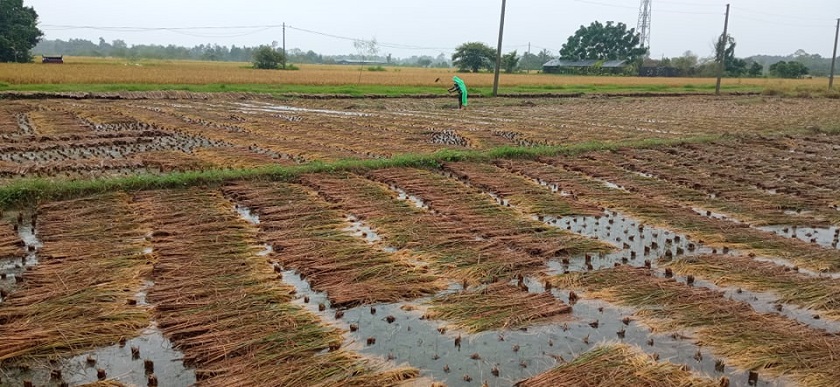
(118, 71)
(174, 239)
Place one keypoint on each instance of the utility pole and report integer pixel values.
(722, 54)
(285, 58)
(499, 52)
(834, 57)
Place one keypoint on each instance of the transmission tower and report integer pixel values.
(644, 23)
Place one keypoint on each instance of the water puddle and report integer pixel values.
(402, 195)
(130, 362)
(637, 244)
(791, 265)
(359, 229)
(641, 245)
(600, 322)
(12, 269)
(715, 215)
(399, 333)
(246, 214)
(769, 303)
(828, 237)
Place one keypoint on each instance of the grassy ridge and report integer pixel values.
(46, 189)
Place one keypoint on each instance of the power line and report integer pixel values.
(775, 23)
(781, 16)
(611, 5)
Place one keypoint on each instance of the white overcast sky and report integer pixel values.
(430, 27)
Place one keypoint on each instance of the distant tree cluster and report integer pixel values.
(268, 58)
(788, 69)
(211, 52)
(18, 31)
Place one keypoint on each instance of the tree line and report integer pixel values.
(610, 41)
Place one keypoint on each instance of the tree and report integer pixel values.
(733, 67)
(788, 69)
(756, 70)
(510, 61)
(19, 32)
(268, 58)
(474, 56)
(686, 64)
(604, 42)
(534, 62)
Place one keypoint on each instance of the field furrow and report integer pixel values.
(765, 343)
(224, 308)
(311, 237)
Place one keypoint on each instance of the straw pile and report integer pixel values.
(617, 365)
(767, 342)
(76, 299)
(497, 306)
(220, 303)
(310, 237)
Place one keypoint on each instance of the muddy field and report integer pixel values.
(710, 262)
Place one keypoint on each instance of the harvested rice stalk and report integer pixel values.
(221, 304)
(749, 340)
(617, 365)
(497, 306)
(785, 179)
(104, 383)
(818, 293)
(10, 244)
(748, 205)
(521, 192)
(445, 242)
(712, 232)
(49, 122)
(76, 299)
(309, 235)
(483, 216)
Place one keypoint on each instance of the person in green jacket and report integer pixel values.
(461, 88)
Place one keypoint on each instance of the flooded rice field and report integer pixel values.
(712, 262)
